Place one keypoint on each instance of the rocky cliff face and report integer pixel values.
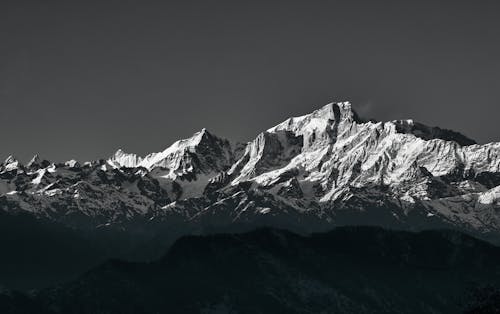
(307, 173)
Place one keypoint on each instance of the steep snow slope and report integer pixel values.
(325, 168)
(185, 167)
(333, 158)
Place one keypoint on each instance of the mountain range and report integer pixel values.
(307, 174)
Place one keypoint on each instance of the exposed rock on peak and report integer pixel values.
(428, 133)
(34, 161)
(328, 167)
(122, 159)
(37, 163)
(202, 150)
(72, 163)
(10, 164)
(270, 150)
(10, 159)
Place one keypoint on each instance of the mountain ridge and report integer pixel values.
(346, 270)
(311, 172)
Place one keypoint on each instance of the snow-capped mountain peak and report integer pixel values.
(10, 159)
(322, 125)
(33, 161)
(10, 164)
(327, 167)
(172, 157)
(185, 167)
(123, 159)
(37, 163)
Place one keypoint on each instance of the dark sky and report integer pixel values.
(81, 79)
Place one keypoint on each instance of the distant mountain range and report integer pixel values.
(307, 174)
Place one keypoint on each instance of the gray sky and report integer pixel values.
(79, 79)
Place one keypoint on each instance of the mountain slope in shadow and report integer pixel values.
(347, 270)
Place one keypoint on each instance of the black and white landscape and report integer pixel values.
(308, 174)
(255, 156)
